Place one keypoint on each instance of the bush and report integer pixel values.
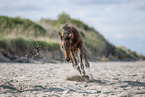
(63, 18)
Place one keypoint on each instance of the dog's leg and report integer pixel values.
(74, 62)
(87, 64)
(85, 59)
(81, 62)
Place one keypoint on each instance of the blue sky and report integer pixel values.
(121, 22)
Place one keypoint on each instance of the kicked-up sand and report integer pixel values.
(113, 79)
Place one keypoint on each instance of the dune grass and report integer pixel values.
(23, 46)
(18, 26)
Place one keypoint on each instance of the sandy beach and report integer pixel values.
(114, 79)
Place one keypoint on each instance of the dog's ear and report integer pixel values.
(60, 36)
(65, 26)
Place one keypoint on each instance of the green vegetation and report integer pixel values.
(22, 37)
(63, 18)
(21, 27)
(124, 53)
(28, 48)
(16, 44)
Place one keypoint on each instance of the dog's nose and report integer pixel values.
(67, 59)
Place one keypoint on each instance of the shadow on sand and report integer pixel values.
(135, 83)
(9, 88)
(79, 78)
(41, 88)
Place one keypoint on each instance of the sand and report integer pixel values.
(114, 79)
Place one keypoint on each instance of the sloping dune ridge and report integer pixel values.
(114, 79)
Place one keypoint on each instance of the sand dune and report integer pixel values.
(111, 79)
